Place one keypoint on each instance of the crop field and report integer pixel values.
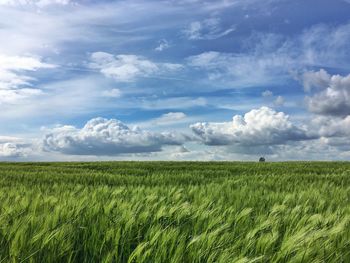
(175, 212)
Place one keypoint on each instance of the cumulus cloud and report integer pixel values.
(327, 126)
(11, 150)
(107, 137)
(278, 100)
(11, 147)
(259, 127)
(207, 29)
(127, 68)
(332, 95)
(316, 79)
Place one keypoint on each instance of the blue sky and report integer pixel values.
(174, 80)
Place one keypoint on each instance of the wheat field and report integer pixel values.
(175, 212)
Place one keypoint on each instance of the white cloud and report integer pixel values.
(325, 45)
(319, 80)
(279, 101)
(5, 139)
(174, 103)
(318, 149)
(65, 29)
(340, 144)
(332, 96)
(15, 84)
(28, 30)
(13, 68)
(245, 69)
(162, 45)
(12, 147)
(207, 29)
(267, 93)
(107, 137)
(39, 3)
(72, 97)
(22, 63)
(10, 150)
(170, 117)
(112, 93)
(127, 68)
(270, 58)
(14, 96)
(331, 126)
(259, 127)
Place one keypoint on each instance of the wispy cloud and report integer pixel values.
(126, 68)
(15, 84)
(271, 57)
(170, 117)
(39, 3)
(162, 45)
(208, 29)
(112, 93)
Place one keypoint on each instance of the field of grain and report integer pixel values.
(175, 212)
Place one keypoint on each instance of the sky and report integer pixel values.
(85, 80)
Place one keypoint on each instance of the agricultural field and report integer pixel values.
(175, 212)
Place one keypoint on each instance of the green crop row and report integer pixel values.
(175, 212)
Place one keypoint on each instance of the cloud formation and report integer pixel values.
(207, 29)
(267, 93)
(267, 58)
(15, 84)
(279, 101)
(331, 126)
(258, 127)
(107, 137)
(169, 117)
(126, 68)
(228, 51)
(325, 44)
(246, 69)
(332, 95)
(39, 3)
(11, 147)
(162, 45)
(112, 93)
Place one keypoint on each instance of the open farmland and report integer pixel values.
(175, 212)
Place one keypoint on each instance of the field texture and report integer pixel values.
(175, 212)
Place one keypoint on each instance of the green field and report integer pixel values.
(175, 212)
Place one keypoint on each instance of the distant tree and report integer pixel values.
(261, 159)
